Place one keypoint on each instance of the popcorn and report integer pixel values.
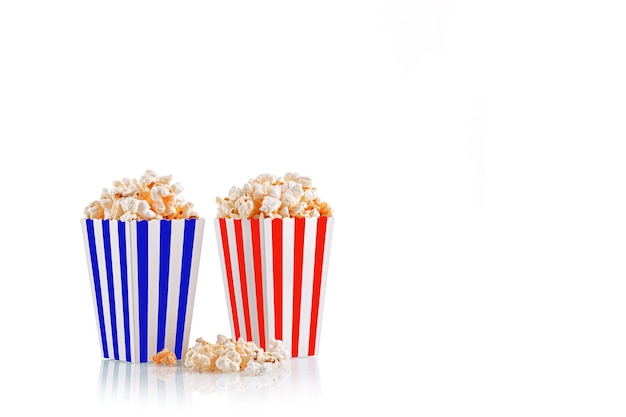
(150, 197)
(164, 357)
(268, 196)
(226, 355)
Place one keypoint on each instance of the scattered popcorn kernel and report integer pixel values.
(226, 355)
(165, 357)
(150, 197)
(269, 196)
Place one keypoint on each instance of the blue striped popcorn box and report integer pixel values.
(143, 277)
(275, 273)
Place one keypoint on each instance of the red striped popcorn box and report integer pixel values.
(275, 275)
(143, 277)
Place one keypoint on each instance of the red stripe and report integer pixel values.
(317, 280)
(242, 278)
(298, 255)
(258, 277)
(277, 255)
(229, 277)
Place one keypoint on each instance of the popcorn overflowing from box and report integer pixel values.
(151, 197)
(143, 243)
(271, 197)
(273, 237)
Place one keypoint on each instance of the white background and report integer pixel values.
(472, 152)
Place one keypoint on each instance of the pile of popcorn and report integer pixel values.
(269, 196)
(226, 355)
(152, 197)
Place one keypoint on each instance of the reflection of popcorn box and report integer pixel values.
(275, 274)
(143, 277)
(142, 384)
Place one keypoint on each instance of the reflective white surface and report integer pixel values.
(147, 384)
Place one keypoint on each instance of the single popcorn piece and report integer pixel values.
(150, 197)
(269, 196)
(226, 355)
(165, 357)
(230, 361)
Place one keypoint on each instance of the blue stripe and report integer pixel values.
(106, 235)
(104, 373)
(180, 388)
(96, 284)
(142, 286)
(190, 226)
(116, 372)
(143, 383)
(164, 272)
(121, 231)
(127, 385)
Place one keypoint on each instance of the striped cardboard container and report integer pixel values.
(143, 277)
(275, 274)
